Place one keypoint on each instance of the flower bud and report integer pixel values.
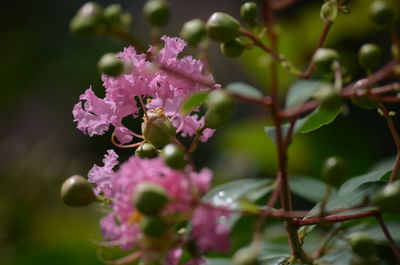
(220, 109)
(146, 150)
(149, 198)
(362, 244)
(157, 12)
(110, 64)
(232, 49)
(249, 13)
(335, 171)
(174, 156)
(76, 191)
(193, 31)
(388, 198)
(324, 58)
(153, 226)
(116, 19)
(158, 130)
(369, 56)
(382, 13)
(246, 256)
(329, 11)
(88, 22)
(222, 27)
(329, 98)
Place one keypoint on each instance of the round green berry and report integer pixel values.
(388, 198)
(246, 256)
(363, 101)
(335, 171)
(362, 244)
(112, 13)
(232, 49)
(369, 56)
(76, 191)
(382, 13)
(146, 150)
(329, 98)
(153, 226)
(193, 31)
(110, 64)
(220, 109)
(88, 22)
(324, 58)
(157, 12)
(329, 11)
(222, 27)
(158, 129)
(149, 198)
(357, 260)
(249, 13)
(174, 156)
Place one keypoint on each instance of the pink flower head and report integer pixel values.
(165, 89)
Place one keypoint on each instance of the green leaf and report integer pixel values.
(301, 91)
(271, 131)
(317, 119)
(244, 90)
(274, 259)
(308, 188)
(219, 261)
(193, 101)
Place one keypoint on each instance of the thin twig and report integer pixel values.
(389, 238)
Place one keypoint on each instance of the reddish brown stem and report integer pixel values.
(389, 238)
(335, 219)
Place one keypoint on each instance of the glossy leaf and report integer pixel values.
(317, 119)
(301, 91)
(244, 90)
(308, 188)
(193, 101)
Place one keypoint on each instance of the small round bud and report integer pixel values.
(329, 11)
(388, 198)
(112, 13)
(232, 49)
(158, 130)
(357, 260)
(329, 98)
(249, 13)
(363, 101)
(76, 191)
(174, 156)
(246, 256)
(382, 13)
(222, 27)
(110, 64)
(149, 198)
(362, 244)
(324, 58)
(157, 12)
(220, 109)
(88, 22)
(146, 150)
(335, 171)
(153, 226)
(369, 56)
(193, 31)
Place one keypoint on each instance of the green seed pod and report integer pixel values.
(388, 198)
(88, 22)
(246, 256)
(249, 13)
(193, 31)
(110, 64)
(362, 244)
(382, 13)
(117, 21)
(329, 98)
(335, 171)
(76, 191)
(362, 101)
(174, 156)
(157, 12)
(324, 58)
(112, 13)
(146, 150)
(369, 56)
(222, 27)
(153, 226)
(329, 11)
(150, 198)
(357, 260)
(232, 49)
(158, 130)
(220, 109)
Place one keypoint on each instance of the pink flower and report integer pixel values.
(165, 89)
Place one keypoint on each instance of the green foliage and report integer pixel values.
(193, 101)
(318, 118)
(245, 90)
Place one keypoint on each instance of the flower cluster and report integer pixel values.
(164, 89)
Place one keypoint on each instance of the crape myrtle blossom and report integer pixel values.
(163, 89)
(183, 187)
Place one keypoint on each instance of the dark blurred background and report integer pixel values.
(44, 69)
